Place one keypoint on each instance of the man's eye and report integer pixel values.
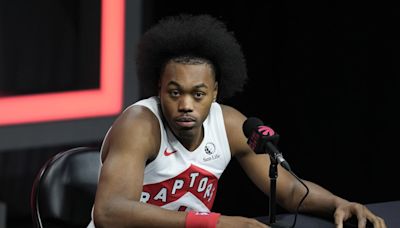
(199, 95)
(174, 93)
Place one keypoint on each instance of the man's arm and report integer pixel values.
(133, 139)
(289, 191)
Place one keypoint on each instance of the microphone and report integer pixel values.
(262, 139)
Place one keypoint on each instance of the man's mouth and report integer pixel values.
(185, 121)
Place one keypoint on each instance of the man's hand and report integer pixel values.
(350, 209)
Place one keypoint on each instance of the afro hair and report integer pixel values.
(199, 36)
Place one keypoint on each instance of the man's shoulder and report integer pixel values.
(137, 112)
(230, 112)
(135, 126)
(136, 117)
(233, 118)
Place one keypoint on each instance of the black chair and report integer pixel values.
(64, 189)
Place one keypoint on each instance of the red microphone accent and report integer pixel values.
(265, 130)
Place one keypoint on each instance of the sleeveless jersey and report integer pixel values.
(178, 179)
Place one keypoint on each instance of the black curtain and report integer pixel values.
(325, 77)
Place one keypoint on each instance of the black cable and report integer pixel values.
(301, 201)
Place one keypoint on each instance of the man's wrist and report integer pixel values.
(201, 219)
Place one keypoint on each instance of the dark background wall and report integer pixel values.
(325, 76)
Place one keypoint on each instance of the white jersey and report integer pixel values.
(178, 179)
(182, 180)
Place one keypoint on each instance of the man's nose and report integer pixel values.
(185, 104)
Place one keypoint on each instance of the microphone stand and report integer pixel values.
(273, 175)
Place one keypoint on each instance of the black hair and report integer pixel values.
(191, 36)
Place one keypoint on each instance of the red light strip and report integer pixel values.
(106, 101)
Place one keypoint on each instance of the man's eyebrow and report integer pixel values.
(173, 83)
(201, 85)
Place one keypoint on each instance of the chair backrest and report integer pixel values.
(64, 189)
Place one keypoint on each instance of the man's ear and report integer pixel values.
(215, 91)
(159, 88)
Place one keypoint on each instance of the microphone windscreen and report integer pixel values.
(250, 125)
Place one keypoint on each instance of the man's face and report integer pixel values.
(186, 93)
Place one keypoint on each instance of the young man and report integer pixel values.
(163, 156)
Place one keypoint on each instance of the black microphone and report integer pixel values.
(262, 139)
